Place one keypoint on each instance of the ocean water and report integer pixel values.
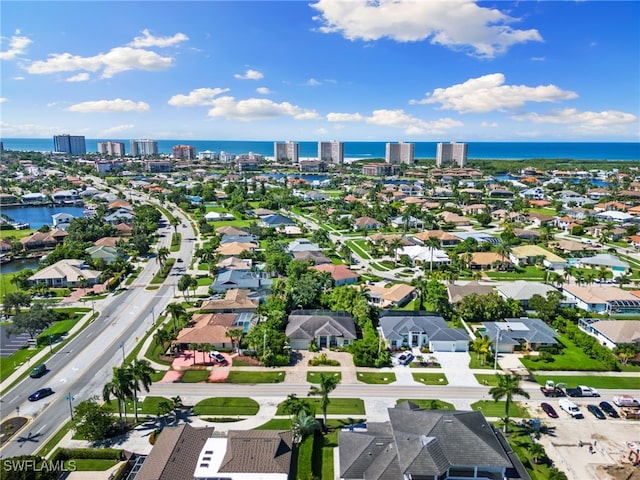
(477, 150)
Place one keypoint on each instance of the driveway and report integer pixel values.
(455, 365)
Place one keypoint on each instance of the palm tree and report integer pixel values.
(162, 255)
(235, 335)
(503, 249)
(432, 243)
(394, 245)
(206, 348)
(161, 338)
(622, 280)
(184, 284)
(421, 287)
(328, 383)
(120, 388)
(194, 347)
(176, 311)
(141, 373)
(508, 386)
(537, 452)
(481, 345)
(302, 426)
(294, 405)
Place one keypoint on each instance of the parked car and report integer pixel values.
(217, 356)
(38, 371)
(596, 412)
(549, 410)
(570, 407)
(607, 408)
(40, 394)
(405, 358)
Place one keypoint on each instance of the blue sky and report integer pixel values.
(351, 70)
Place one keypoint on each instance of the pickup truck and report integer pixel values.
(551, 389)
(582, 391)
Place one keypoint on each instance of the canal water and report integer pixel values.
(20, 264)
(37, 216)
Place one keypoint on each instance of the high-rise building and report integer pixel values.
(399, 153)
(451, 153)
(332, 152)
(184, 152)
(143, 147)
(286, 151)
(72, 144)
(115, 149)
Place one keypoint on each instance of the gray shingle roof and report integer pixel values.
(532, 330)
(395, 327)
(307, 324)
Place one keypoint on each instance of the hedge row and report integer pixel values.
(87, 453)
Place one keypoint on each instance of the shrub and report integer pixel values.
(323, 360)
(87, 453)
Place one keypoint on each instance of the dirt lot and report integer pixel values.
(611, 441)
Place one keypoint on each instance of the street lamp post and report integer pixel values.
(122, 347)
(70, 398)
(50, 347)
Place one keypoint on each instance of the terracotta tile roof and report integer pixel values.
(258, 452)
(338, 272)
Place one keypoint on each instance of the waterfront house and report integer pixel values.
(416, 329)
(43, 240)
(612, 333)
(35, 198)
(327, 328)
(62, 220)
(65, 273)
(428, 444)
(603, 299)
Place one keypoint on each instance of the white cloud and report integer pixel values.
(489, 124)
(199, 96)
(28, 130)
(397, 119)
(487, 93)
(116, 60)
(258, 109)
(108, 106)
(17, 78)
(115, 130)
(249, 75)
(263, 90)
(312, 82)
(322, 131)
(344, 117)
(456, 24)
(148, 40)
(609, 119)
(17, 46)
(81, 77)
(3, 99)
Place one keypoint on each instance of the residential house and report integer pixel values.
(218, 216)
(314, 258)
(176, 453)
(525, 234)
(262, 212)
(540, 220)
(532, 254)
(573, 247)
(35, 198)
(522, 291)
(106, 242)
(446, 239)
(366, 223)
(387, 238)
(229, 230)
(535, 193)
(502, 193)
(312, 166)
(612, 333)
(65, 196)
(411, 222)
(235, 263)
(428, 444)
(230, 279)
(62, 220)
(235, 301)
(454, 218)
(603, 299)
(607, 261)
(8, 199)
(65, 273)
(276, 221)
(213, 328)
(43, 240)
(303, 245)
(107, 254)
(615, 216)
(341, 274)
(122, 215)
(518, 334)
(123, 230)
(489, 260)
(416, 329)
(474, 209)
(327, 328)
(425, 255)
(233, 249)
(458, 292)
(398, 295)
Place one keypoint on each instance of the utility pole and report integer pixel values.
(122, 347)
(495, 353)
(70, 398)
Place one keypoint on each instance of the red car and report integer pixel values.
(549, 410)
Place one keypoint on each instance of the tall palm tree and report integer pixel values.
(235, 335)
(176, 311)
(537, 452)
(508, 386)
(432, 243)
(161, 338)
(503, 249)
(302, 426)
(120, 388)
(141, 372)
(162, 255)
(394, 245)
(194, 347)
(328, 383)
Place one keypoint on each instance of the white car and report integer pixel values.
(217, 356)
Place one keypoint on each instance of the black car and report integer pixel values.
(38, 371)
(406, 358)
(607, 408)
(40, 394)
(596, 412)
(549, 410)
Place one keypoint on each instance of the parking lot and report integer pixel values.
(12, 343)
(611, 441)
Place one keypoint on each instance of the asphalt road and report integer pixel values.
(84, 365)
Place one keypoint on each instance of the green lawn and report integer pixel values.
(430, 378)
(489, 408)
(255, 377)
(570, 358)
(59, 328)
(520, 440)
(610, 383)
(225, 406)
(431, 404)
(195, 376)
(276, 424)
(475, 362)
(92, 464)
(16, 234)
(314, 377)
(356, 248)
(490, 380)
(148, 406)
(337, 406)
(524, 273)
(377, 378)
(10, 363)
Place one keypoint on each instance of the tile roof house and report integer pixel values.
(522, 291)
(606, 260)
(454, 218)
(425, 255)
(233, 249)
(341, 274)
(175, 454)
(316, 258)
(212, 328)
(43, 240)
(327, 328)
(229, 230)
(420, 443)
(529, 255)
(397, 295)
(246, 454)
(611, 333)
(488, 260)
(106, 242)
(123, 230)
(65, 273)
(366, 223)
(415, 329)
(235, 301)
(458, 292)
(446, 239)
(108, 254)
(234, 263)
(602, 299)
(530, 333)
